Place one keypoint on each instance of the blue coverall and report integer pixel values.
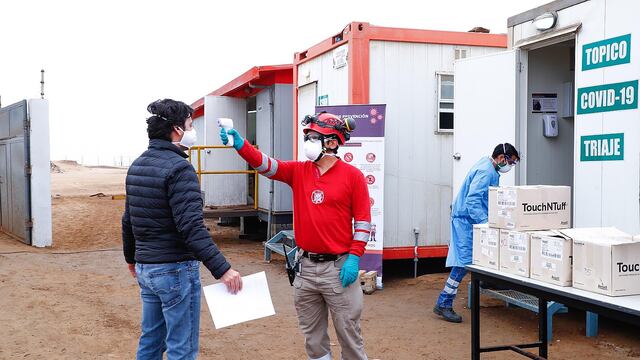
(469, 208)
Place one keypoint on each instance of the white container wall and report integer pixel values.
(232, 190)
(418, 166)
(222, 190)
(42, 233)
(198, 125)
(607, 191)
(317, 77)
(282, 138)
(418, 171)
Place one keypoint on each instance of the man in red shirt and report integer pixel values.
(332, 223)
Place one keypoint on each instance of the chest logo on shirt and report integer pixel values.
(317, 197)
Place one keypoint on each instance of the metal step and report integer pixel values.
(283, 242)
(513, 297)
(525, 301)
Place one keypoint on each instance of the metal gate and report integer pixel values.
(15, 172)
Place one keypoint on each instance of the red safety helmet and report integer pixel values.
(329, 125)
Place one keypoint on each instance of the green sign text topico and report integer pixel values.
(608, 52)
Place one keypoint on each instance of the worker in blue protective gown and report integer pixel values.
(469, 208)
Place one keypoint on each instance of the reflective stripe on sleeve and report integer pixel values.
(361, 236)
(274, 168)
(362, 225)
(264, 166)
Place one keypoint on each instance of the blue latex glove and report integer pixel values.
(238, 141)
(350, 269)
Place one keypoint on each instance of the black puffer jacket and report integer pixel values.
(163, 219)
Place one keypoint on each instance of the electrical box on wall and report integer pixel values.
(550, 125)
(567, 100)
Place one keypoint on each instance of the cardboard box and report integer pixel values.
(486, 246)
(605, 261)
(528, 208)
(551, 257)
(515, 252)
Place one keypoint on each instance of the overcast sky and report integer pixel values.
(106, 60)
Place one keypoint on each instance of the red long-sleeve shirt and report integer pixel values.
(324, 205)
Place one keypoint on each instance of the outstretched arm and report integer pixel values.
(265, 165)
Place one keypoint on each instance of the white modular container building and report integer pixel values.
(565, 94)
(259, 101)
(412, 72)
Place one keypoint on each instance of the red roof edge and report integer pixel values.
(240, 87)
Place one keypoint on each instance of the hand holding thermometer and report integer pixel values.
(226, 124)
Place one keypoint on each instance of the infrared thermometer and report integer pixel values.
(226, 124)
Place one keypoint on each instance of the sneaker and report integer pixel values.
(447, 314)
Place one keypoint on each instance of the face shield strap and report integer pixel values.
(507, 158)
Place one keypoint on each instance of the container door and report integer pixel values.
(228, 189)
(20, 198)
(485, 110)
(15, 180)
(307, 95)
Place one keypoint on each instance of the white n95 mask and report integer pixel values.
(313, 150)
(505, 168)
(189, 138)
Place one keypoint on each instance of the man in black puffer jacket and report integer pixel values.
(164, 236)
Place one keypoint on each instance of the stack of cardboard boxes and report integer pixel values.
(605, 261)
(519, 238)
(529, 235)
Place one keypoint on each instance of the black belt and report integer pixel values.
(320, 257)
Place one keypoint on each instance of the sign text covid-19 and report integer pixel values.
(608, 97)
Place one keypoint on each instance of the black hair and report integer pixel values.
(507, 149)
(166, 114)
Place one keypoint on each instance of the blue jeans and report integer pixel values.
(448, 294)
(170, 310)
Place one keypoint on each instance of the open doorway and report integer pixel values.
(550, 107)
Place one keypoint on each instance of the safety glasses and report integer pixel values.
(313, 137)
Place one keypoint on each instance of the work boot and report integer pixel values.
(447, 314)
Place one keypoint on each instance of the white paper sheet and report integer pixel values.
(253, 302)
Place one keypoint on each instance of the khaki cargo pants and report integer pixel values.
(318, 291)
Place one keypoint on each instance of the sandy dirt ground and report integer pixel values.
(69, 179)
(76, 300)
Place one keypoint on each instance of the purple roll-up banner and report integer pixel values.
(365, 151)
